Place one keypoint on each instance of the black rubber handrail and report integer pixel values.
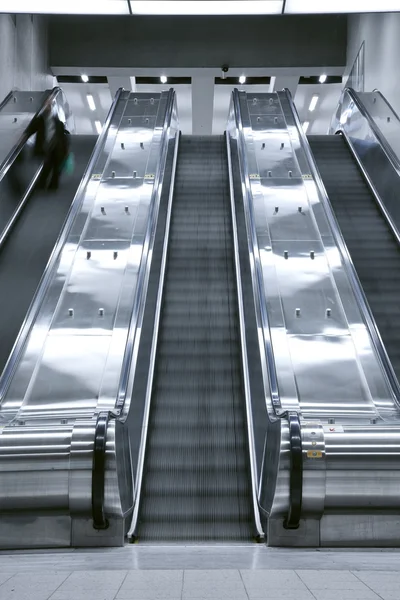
(99, 471)
(292, 520)
(6, 100)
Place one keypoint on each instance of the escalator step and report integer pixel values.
(196, 483)
(371, 244)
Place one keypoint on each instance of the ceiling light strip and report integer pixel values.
(340, 6)
(206, 7)
(72, 7)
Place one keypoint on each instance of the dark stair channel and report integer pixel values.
(196, 476)
(372, 246)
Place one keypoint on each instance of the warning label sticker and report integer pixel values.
(314, 454)
(333, 428)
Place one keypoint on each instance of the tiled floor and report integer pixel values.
(201, 585)
(179, 573)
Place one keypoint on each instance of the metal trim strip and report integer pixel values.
(242, 326)
(142, 451)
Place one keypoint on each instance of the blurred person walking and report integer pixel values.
(52, 144)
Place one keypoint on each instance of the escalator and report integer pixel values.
(28, 248)
(196, 483)
(372, 246)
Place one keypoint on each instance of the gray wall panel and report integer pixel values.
(289, 41)
(381, 34)
(23, 54)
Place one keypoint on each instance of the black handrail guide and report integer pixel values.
(296, 472)
(6, 100)
(99, 471)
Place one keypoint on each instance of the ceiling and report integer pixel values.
(197, 7)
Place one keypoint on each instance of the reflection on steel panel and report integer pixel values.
(327, 362)
(89, 300)
(67, 364)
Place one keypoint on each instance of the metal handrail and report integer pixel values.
(250, 430)
(292, 520)
(47, 274)
(141, 456)
(346, 258)
(12, 155)
(126, 363)
(386, 147)
(272, 376)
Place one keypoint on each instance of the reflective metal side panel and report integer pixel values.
(68, 366)
(322, 349)
(15, 116)
(327, 362)
(372, 129)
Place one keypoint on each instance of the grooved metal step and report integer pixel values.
(372, 246)
(196, 480)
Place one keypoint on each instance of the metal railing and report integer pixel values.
(386, 147)
(47, 275)
(292, 520)
(346, 258)
(99, 520)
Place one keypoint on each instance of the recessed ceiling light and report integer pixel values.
(322, 78)
(99, 127)
(163, 79)
(306, 126)
(242, 79)
(313, 103)
(84, 78)
(90, 101)
(206, 7)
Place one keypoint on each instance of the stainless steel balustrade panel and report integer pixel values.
(18, 111)
(372, 129)
(15, 116)
(325, 362)
(71, 364)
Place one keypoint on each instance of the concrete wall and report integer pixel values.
(187, 42)
(381, 33)
(23, 53)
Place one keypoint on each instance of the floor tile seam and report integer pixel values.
(183, 582)
(62, 583)
(304, 583)
(366, 584)
(123, 581)
(244, 585)
(8, 578)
